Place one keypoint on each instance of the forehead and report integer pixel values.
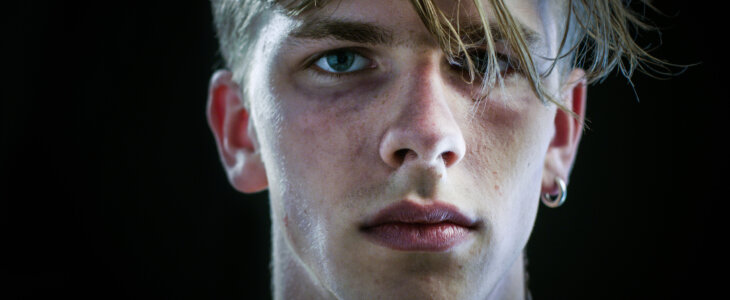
(536, 18)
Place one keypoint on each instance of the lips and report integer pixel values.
(409, 226)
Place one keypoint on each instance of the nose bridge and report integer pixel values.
(426, 129)
(427, 112)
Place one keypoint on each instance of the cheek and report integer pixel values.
(321, 141)
(505, 156)
(328, 150)
(328, 146)
(332, 135)
(503, 136)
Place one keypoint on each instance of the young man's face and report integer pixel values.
(386, 178)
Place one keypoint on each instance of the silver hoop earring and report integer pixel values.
(554, 201)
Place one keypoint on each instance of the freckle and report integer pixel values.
(494, 173)
(496, 187)
(286, 221)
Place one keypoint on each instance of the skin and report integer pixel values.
(333, 151)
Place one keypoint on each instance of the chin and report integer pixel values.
(370, 271)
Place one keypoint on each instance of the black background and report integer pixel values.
(112, 186)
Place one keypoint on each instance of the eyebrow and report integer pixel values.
(370, 33)
(475, 33)
(358, 32)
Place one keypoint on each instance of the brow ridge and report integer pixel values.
(369, 33)
(353, 31)
(475, 32)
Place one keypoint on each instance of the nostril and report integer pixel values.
(400, 156)
(449, 158)
(400, 146)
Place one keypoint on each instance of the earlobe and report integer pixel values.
(568, 131)
(230, 123)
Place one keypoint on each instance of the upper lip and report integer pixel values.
(407, 211)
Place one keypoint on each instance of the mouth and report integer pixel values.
(409, 226)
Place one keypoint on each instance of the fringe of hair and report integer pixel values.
(598, 36)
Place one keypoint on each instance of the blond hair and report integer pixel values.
(597, 36)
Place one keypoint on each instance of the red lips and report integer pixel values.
(410, 226)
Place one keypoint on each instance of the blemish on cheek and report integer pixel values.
(496, 187)
(286, 221)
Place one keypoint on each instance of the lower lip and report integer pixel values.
(418, 237)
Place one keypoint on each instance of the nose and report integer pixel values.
(425, 130)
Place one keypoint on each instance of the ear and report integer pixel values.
(568, 131)
(234, 134)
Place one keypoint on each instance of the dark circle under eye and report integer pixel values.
(340, 61)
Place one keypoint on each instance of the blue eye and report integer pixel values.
(342, 61)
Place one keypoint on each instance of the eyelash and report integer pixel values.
(481, 54)
(311, 63)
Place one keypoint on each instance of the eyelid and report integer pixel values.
(500, 55)
(310, 63)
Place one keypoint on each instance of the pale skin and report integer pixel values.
(333, 150)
